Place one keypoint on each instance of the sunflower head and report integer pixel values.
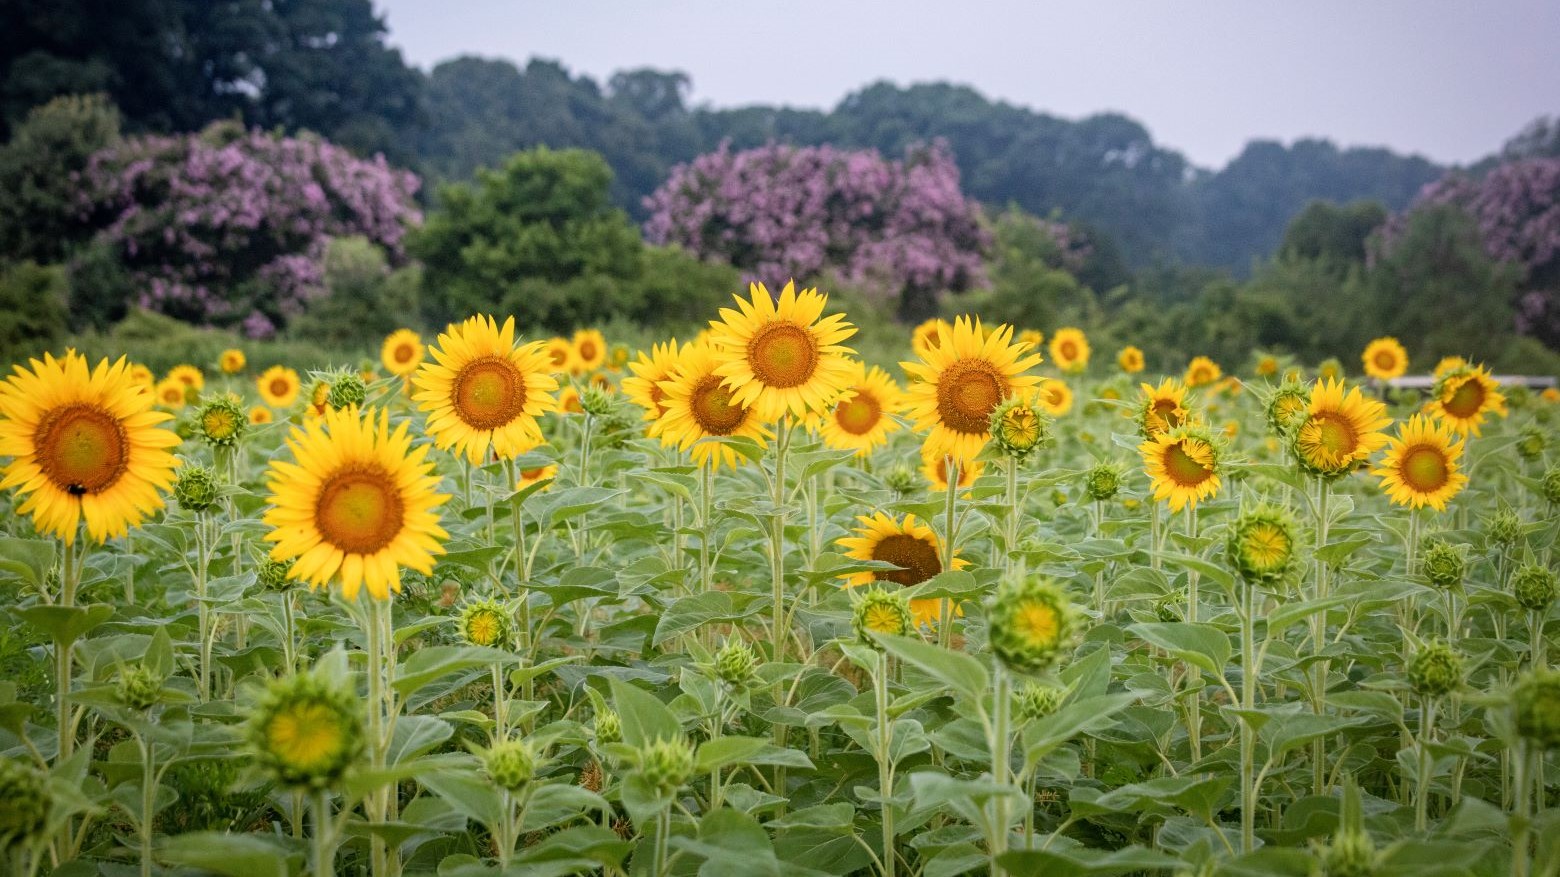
(880, 611)
(1031, 624)
(278, 386)
(1532, 443)
(138, 686)
(346, 391)
(1351, 853)
(1018, 428)
(1262, 544)
(307, 731)
(1161, 408)
(1537, 701)
(260, 415)
(1103, 481)
(274, 575)
(1202, 370)
(1286, 407)
(901, 479)
(863, 417)
(1446, 364)
(1055, 397)
(1183, 464)
(231, 361)
(780, 356)
(1339, 431)
(510, 764)
(1036, 700)
(24, 803)
(1266, 366)
(197, 488)
(955, 386)
(189, 376)
(1534, 587)
(402, 352)
(483, 393)
(595, 401)
(1443, 564)
(929, 335)
(1070, 349)
(485, 623)
(171, 394)
(221, 422)
(736, 664)
(699, 405)
(666, 763)
(1130, 359)
(1421, 465)
(1464, 396)
(588, 349)
(649, 369)
(1385, 359)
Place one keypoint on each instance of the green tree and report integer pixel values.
(32, 309)
(364, 299)
(39, 217)
(1336, 232)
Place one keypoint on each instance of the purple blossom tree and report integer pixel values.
(778, 212)
(229, 227)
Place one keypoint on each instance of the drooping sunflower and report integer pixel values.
(1385, 359)
(356, 505)
(955, 386)
(1055, 397)
(1447, 364)
(863, 419)
(189, 376)
(1464, 395)
(935, 468)
(1202, 370)
(589, 351)
(560, 355)
(85, 444)
(782, 356)
(485, 392)
(929, 335)
(1339, 431)
(698, 405)
(278, 386)
(171, 393)
(260, 415)
(402, 352)
(1183, 464)
(1070, 349)
(1130, 359)
(1421, 465)
(232, 361)
(643, 388)
(906, 543)
(1161, 408)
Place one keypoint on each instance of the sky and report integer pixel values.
(1447, 80)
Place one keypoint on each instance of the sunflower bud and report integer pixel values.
(1287, 405)
(1444, 565)
(735, 663)
(1018, 427)
(138, 687)
(1537, 699)
(609, 728)
(596, 401)
(24, 803)
(1436, 670)
(1551, 485)
(1103, 482)
(346, 390)
(221, 422)
(1504, 528)
(1351, 854)
(510, 764)
(1534, 587)
(901, 480)
(1031, 623)
(1262, 545)
(485, 623)
(1036, 700)
(306, 731)
(1532, 443)
(1168, 609)
(196, 488)
(666, 764)
(881, 611)
(274, 575)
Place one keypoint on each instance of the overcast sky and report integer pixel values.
(1447, 80)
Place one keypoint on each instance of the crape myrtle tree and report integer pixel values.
(777, 212)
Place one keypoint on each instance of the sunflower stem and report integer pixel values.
(71, 562)
(1010, 525)
(1319, 640)
(1519, 836)
(1193, 674)
(1001, 708)
(289, 635)
(951, 470)
(1248, 734)
(1422, 789)
(324, 856)
(777, 540)
(885, 764)
(202, 610)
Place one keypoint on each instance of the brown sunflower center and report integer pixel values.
(280, 387)
(918, 557)
(1466, 400)
(359, 509)
(533, 474)
(1183, 468)
(1336, 435)
(403, 353)
(967, 392)
(859, 414)
(489, 392)
(173, 394)
(82, 448)
(1056, 394)
(783, 355)
(1069, 350)
(1424, 469)
(710, 405)
(588, 350)
(559, 356)
(1385, 360)
(1165, 410)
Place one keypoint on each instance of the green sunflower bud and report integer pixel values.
(1551, 485)
(736, 664)
(1018, 428)
(902, 480)
(1444, 565)
(1436, 670)
(666, 764)
(306, 731)
(609, 728)
(1168, 609)
(1036, 700)
(485, 623)
(1537, 699)
(1103, 482)
(596, 401)
(510, 764)
(1351, 854)
(1261, 545)
(1031, 624)
(221, 422)
(1504, 527)
(196, 488)
(881, 611)
(1534, 587)
(1532, 443)
(346, 390)
(24, 803)
(138, 687)
(273, 575)
(1286, 407)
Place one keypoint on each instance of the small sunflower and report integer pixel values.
(1287, 406)
(189, 376)
(643, 388)
(617, 357)
(84, 444)
(936, 467)
(143, 377)
(483, 392)
(588, 351)
(1161, 408)
(1202, 370)
(232, 361)
(955, 386)
(357, 504)
(1018, 428)
(402, 352)
(569, 401)
(1262, 544)
(882, 611)
(307, 731)
(171, 394)
(1130, 359)
(1183, 464)
(1030, 624)
(1070, 349)
(485, 623)
(1339, 430)
(781, 356)
(1385, 359)
(1420, 468)
(560, 355)
(699, 405)
(278, 386)
(1464, 395)
(1267, 365)
(260, 415)
(1446, 364)
(908, 544)
(863, 418)
(929, 335)
(1033, 337)
(1055, 397)
(528, 477)
(221, 422)
(1330, 369)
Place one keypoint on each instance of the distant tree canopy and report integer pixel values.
(1333, 232)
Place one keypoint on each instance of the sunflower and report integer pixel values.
(1070, 349)
(699, 405)
(83, 443)
(934, 465)
(357, 504)
(779, 357)
(1267, 365)
(1202, 370)
(529, 477)
(1033, 337)
(1055, 397)
(1339, 431)
(1550, 394)
(1130, 359)
(929, 335)
(617, 357)
(588, 351)
(171, 393)
(906, 543)
(189, 376)
(863, 418)
(560, 354)
(1420, 467)
(643, 389)
(143, 377)
(1161, 408)
(402, 352)
(955, 386)
(232, 361)
(569, 401)
(483, 391)
(260, 415)
(278, 386)
(1385, 359)
(307, 730)
(1464, 395)
(1330, 369)
(1183, 464)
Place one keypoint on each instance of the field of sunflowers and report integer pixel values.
(742, 604)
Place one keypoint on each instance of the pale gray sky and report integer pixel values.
(1447, 80)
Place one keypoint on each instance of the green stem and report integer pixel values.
(1519, 838)
(951, 469)
(1001, 708)
(1248, 734)
(1319, 642)
(716, 729)
(1422, 792)
(290, 635)
(202, 610)
(1193, 674)
(148, 801)
(324, 857)
(885, 764)
(380, 654)
(777, 542)
(72, 561)
(1010, 525)
(663, 830)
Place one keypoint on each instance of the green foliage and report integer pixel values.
(39, 216)
(1030, 286)
(32, 309)
(365, 300)
(1334, 232)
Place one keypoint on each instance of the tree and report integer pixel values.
(364, 299)
(32, 309)
(39, 217)
(1334, 232)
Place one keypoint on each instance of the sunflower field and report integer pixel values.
(744, 604)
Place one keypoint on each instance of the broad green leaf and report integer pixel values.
(645, 718)
(29, 559)
(66, 624)
(232, 855)
(429, 665)
(1201, 645)
(711, 607)
(956, 670)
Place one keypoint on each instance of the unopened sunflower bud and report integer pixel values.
(274, 575)
(596, 401)
(881, 611)
(1031, 623)
(1537, 701)
(1167, 609)
(485, 623)
(901, 479)
(1534, 587)
(1532, 443)
(1103, 482)
(1505, 527)
(138, 687)
(1261, 545)
(196, 488)
(1551, 485)
(1436, 670)
(346, 390)
(666, 764)
(221, 422)
(1036, 700)
(1444, 565)
(510, 764)
(1286, 407)
(1351, 854)
(1018, 428)
(306, 731)
(609, 728)
(736, 664)
(24, 803)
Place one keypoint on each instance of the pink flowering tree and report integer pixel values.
(779, 212)
(229, 227)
